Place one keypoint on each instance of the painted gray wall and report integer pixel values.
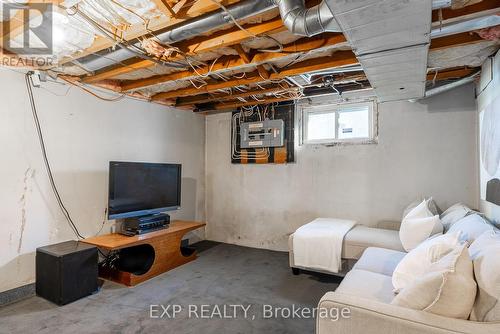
(82, 135)
(427, 148)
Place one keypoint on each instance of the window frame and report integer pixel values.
(336, 109)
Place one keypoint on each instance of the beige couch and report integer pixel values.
(359, 238)
(367, 292)
(370, 256)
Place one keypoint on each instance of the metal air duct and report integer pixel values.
(307, 21)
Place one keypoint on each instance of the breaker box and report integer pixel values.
(268, 133)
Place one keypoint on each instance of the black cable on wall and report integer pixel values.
(65, 212)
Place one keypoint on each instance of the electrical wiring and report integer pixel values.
(121, 96)
(64, 210)
(55, 94)
(236, 120)
(209, 69)
(197, 87)
(45, 157)
(240, 77)
(241, 89)
(222, 76)
(122, 43)
(103, 222)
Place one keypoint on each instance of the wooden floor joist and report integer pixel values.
(187, 12)
(282, 87)
(165, 7)
(234, 105)
(450, 41)
(207, 98)
(338, 59)
(449, 13)
(232, 37)
(236, 62)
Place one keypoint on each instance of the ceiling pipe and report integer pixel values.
(191, 28)
(476, 23)
(447, 87)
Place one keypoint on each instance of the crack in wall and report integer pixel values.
(28, 174)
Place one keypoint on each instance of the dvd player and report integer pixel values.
(145, 224)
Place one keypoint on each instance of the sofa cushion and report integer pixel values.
(447, 289)
(367, 284)
(453, 214)
(418, 225)
(418, 261)
(361, 237)
(484, 252)
(472, 225)
(379, 260)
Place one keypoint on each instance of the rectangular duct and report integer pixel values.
(391, 40)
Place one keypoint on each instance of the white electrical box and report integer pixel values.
(268, 133)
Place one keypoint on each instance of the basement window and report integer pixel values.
(339, 123)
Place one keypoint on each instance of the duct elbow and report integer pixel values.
(303, 21)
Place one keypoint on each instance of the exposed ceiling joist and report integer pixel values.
(208, 98)
(449, 13)
(165, 7)
(234, 105)
(235, 62)
(187, 12)
(236, 36)
(282, 87)
(338, 59)
(243, 55)
(446, 42)
(195, 46)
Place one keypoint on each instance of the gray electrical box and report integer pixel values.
(268, 133)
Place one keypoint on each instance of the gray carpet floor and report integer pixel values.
(222, 275)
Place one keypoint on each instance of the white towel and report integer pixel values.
(318, 245)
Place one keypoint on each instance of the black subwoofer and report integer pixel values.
(66, 271)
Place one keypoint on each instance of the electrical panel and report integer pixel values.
(268, 133)
(263, 134)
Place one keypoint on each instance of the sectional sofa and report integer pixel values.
(371, 256)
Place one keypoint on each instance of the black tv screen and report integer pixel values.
(139, 189)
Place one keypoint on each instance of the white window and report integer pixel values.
(337, 123)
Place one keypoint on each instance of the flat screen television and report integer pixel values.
(140, 189)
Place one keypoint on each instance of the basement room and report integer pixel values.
(250, 166)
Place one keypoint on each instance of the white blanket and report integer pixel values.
(318, 245)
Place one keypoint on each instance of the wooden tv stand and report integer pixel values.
(167, 250)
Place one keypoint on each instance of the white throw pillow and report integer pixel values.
(418, 261)
(418, 225)
(453, 214)
(484, 252)
(472, 225)
(447, 289)
(431, 205)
